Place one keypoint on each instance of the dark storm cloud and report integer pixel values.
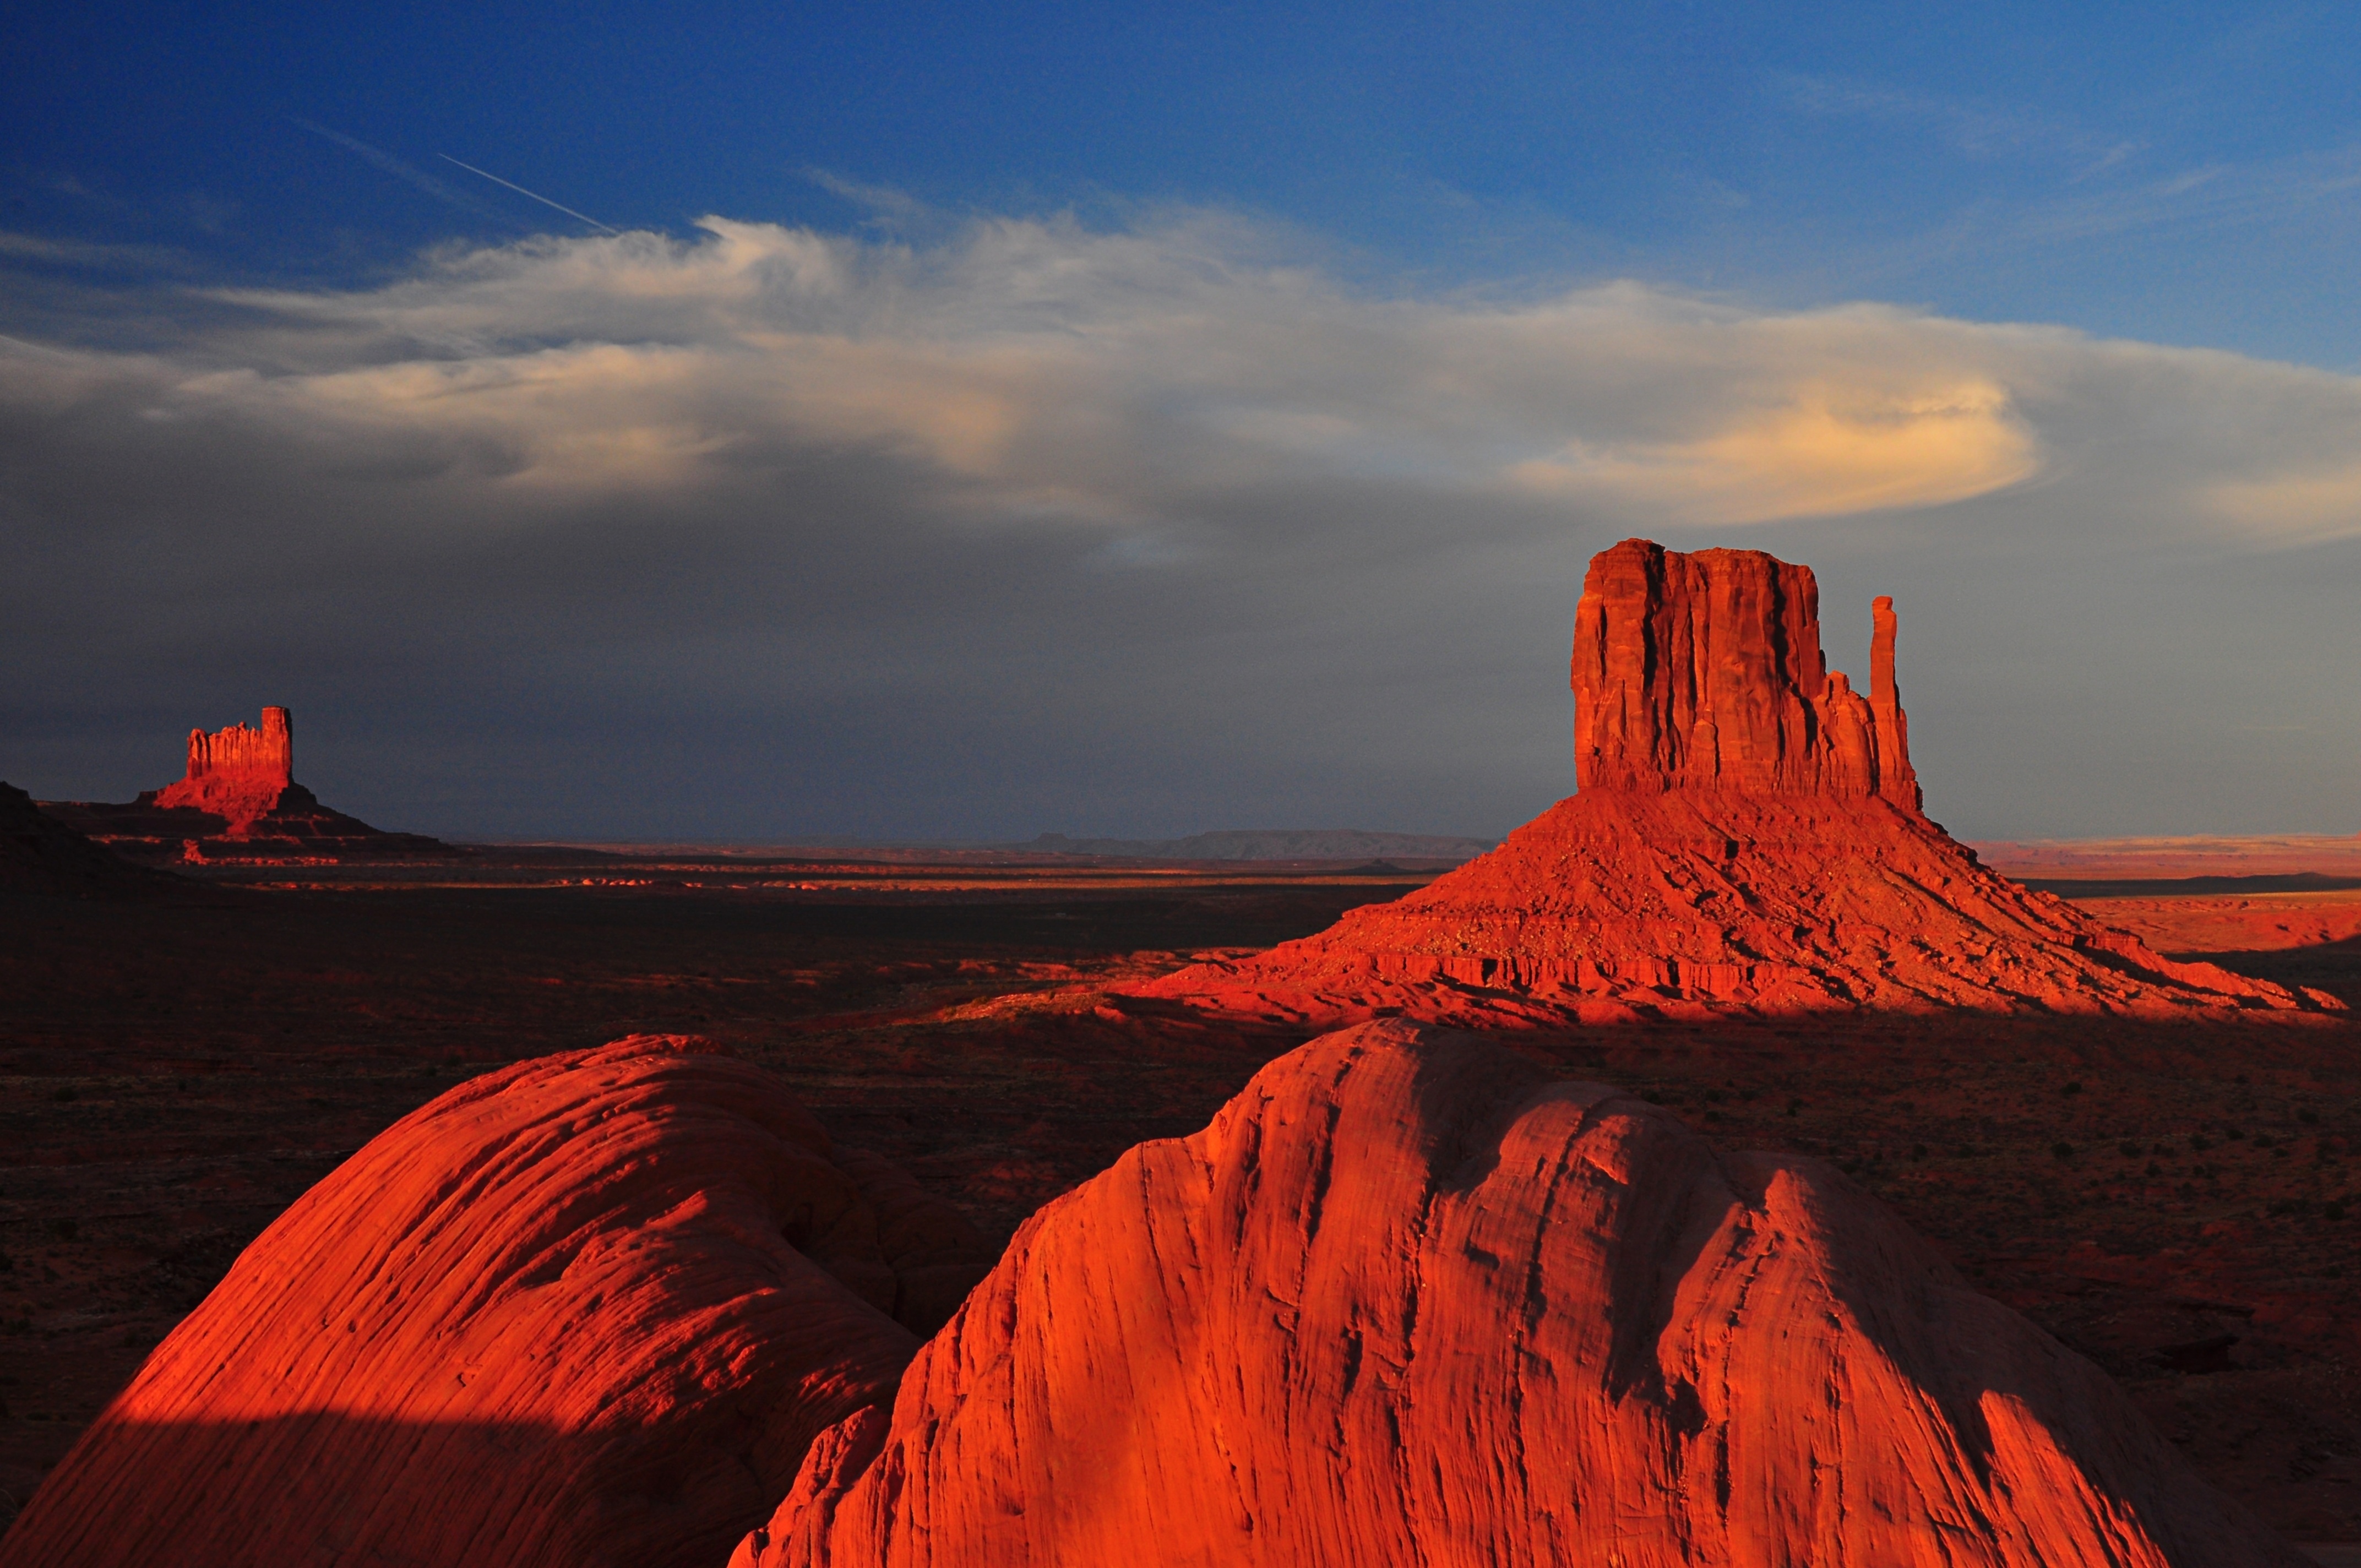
(777, 532)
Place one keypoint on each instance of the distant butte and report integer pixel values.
(238, 801)
(1747, 838)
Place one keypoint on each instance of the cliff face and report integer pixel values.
(587, 1310)
(1705, 672)
(1408, 1302)
(238, 773)
(1747, 838)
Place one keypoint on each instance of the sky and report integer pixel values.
(898, 421)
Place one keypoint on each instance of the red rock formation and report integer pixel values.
(1705, 672)
(240, 802)
(1407, 1301)
(590, 1309)
(238, 773)
(1748, 837)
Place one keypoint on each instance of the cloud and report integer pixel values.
(1157, 528)
(1036, 369)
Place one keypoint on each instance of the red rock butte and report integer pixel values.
(238, 773)
(1747, 837)
(238, 800)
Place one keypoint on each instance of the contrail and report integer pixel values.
(403, 172)
(536, 195)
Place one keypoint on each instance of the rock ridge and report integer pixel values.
(587, 1310)
(1409, 1301)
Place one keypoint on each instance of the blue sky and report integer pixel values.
(1039, 352)
(2178, 173)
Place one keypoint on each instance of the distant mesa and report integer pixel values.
(238, 801)
(40, 854)
(1747, 837)
(1272, 844)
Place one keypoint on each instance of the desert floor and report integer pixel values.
(2182, 1204)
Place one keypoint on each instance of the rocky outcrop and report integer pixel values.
(1747, 838)
(40, 855)
(238, 773)
(238, 803)
(1407, 1300)
(587, 1310)
(1705, 672)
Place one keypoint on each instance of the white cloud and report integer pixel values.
(1036, 369)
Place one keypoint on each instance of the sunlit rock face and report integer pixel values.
(1407, 1300)
(587, 1310)
(1705, 672)
(1747, 838)
(237, 801)
(238, 773)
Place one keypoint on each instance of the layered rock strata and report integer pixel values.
(1748, 837)
(1705, 672)
(587, 1310)
(1408, 1302)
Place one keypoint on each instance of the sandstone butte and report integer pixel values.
(1408, 1302)
(237, 774)
(1746, 836)
(239, 799)
(587, 1310)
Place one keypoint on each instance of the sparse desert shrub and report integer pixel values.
(2332, 1209)
(2063, 1149)
(64, 1230)
(2128, 1148)
(8, 1264)
(2199, 1143)
(2234, 1135)
(2263, 1140)
(2154, 1169)
(1795, 1107)
(2074, 1087)
(2308, 1116)
(1917, 1151)
(65, 1096)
